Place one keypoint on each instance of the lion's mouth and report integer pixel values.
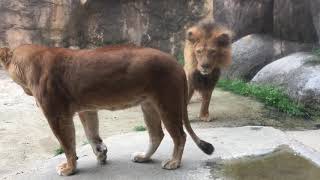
(205, 72)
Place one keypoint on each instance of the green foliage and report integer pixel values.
(316, 51)
(314, 60)
(139, 128)
(268, 95)
(121, 41)
(101, 43)
(58, 151)
(180, 58)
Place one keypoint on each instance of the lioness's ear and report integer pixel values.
(193, 34)
(224, 40)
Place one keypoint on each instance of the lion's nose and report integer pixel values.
(205, 66)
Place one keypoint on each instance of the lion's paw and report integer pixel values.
(205, 118)
(139, 157)
(101, 153)
(64, 170)
(170, 164)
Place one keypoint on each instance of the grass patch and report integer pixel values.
(139, 128)
(315, 60)
(268, 95)
(58, 151)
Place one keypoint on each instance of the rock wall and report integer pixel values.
(315, 9)
(33, 21)
(160, 24)
(245, 16)
(292, 20)
(89, 23)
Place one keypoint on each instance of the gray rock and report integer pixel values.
(251, 53)
(298, 74)
(245, 17)
(293, 20)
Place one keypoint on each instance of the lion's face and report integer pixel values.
(210, 48)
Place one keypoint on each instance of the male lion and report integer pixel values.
(207, 50)
(65, 81)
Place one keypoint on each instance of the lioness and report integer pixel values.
(207, 50)
(65, 81)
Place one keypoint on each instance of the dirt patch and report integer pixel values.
(230, 110)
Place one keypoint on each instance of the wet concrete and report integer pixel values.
(282, 164)
(230, 143)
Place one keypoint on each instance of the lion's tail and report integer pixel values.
(203, 145)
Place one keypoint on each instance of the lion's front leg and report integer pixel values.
(204, 111)
(90, 124)
(56, 108)
(63, 128)
(190, 88)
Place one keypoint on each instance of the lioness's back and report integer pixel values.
(108, 70)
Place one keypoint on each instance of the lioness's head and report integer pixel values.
(5, 56)
(211, 46)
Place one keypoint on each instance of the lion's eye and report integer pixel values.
(198, 51)
(212, 51)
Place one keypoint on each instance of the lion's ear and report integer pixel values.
(224, 40)
(193, 34)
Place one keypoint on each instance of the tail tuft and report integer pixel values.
(206, 147)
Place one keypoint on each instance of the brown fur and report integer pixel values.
(207, 50)
(65, 81)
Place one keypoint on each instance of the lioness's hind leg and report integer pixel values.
(172, 119)
(153, 123)
(90, 124)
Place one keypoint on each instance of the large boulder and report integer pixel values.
(293, 20)
(244, 17)
(298, 74)
(251, 53)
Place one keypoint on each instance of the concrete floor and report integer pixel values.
(229, 143)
